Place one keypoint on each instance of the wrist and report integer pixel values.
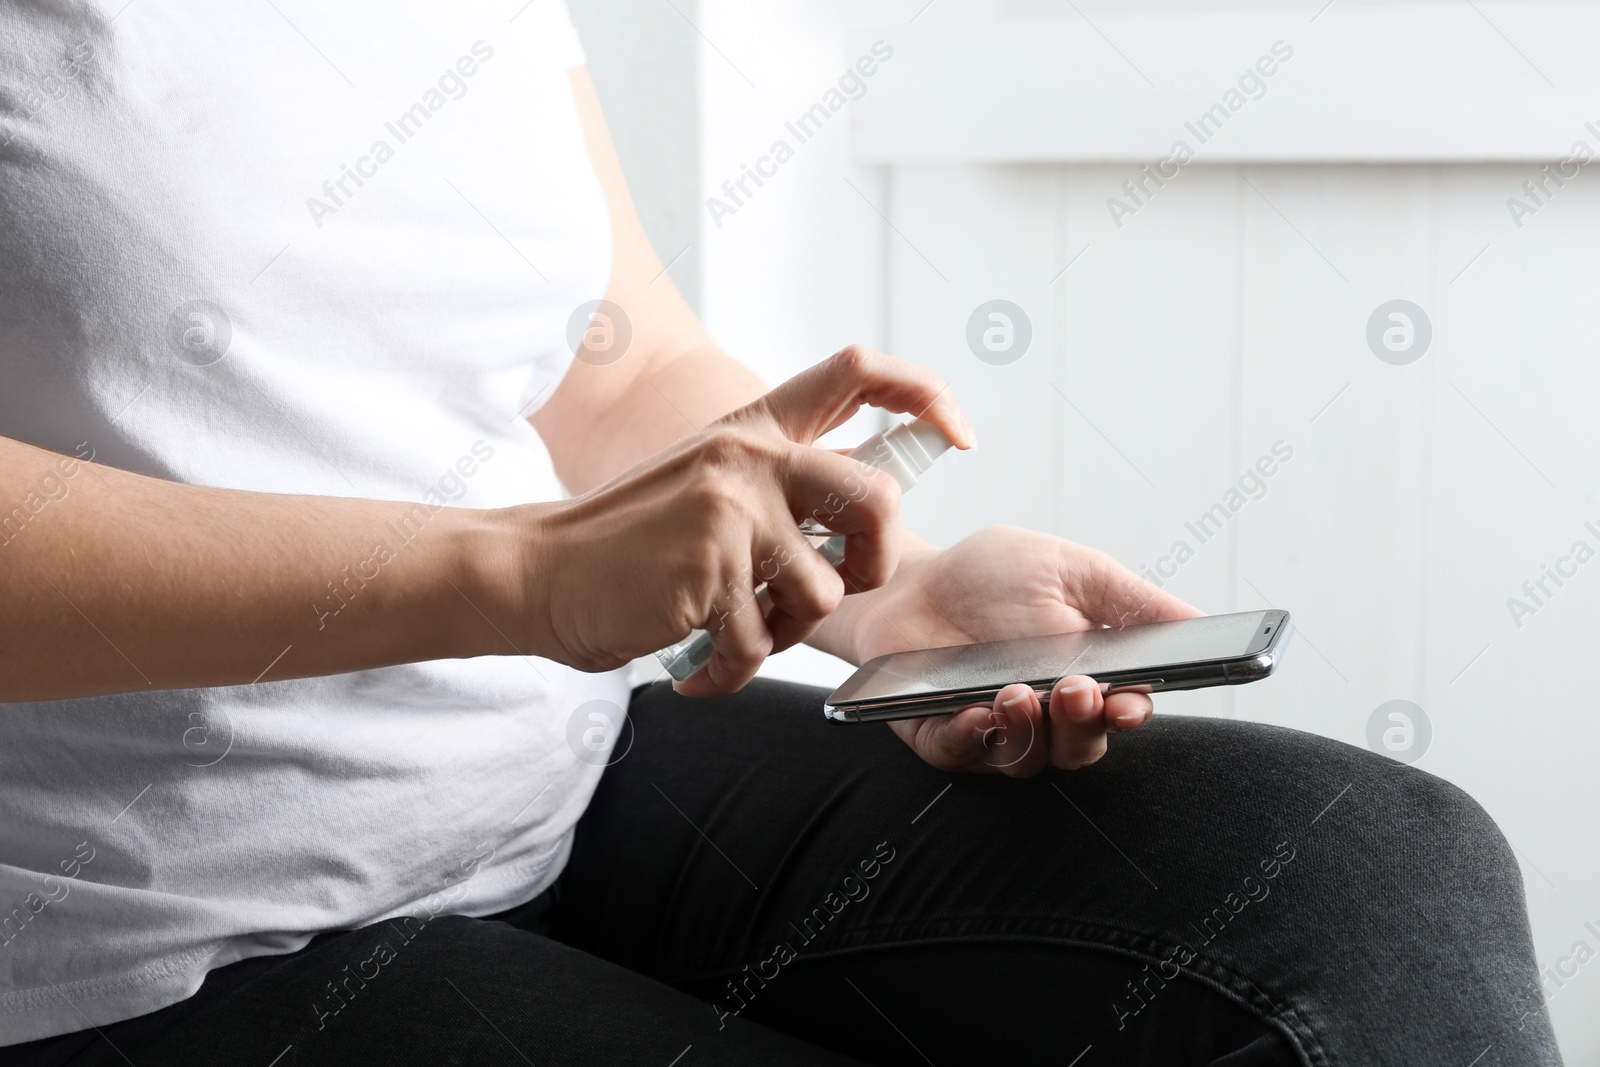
(496, 589)
(839, 634)
(915, 551)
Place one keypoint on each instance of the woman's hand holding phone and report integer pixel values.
(1004, 582)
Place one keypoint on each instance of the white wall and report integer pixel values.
(1222, 317)
(645, 60)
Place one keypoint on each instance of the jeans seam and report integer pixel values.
(1079, 934)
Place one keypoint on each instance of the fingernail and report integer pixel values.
(1129, 719)
(1075, 688)
(1013, 702)
(972, 434)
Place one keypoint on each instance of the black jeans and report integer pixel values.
(754, 885)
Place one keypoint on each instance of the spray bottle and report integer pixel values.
(905, 453)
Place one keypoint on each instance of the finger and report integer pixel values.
(1127, 710)
(984, 738)
(825, 396)
(740, 643)
(1107, 592)
(803, 587)
(931, 741)
(1017, 742)
(852, 499)
(1077, 722)
(950, 742)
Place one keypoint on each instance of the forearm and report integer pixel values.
(116, 582)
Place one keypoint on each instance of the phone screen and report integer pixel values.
(1148, 646)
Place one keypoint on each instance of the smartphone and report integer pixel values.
(1150, 657)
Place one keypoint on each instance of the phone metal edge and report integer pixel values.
(1239, 671)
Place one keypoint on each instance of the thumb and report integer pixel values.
(1108, 593)
(825, 396)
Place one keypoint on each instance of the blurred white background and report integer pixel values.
(1229, 311)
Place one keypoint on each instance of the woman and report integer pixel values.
(314, 749)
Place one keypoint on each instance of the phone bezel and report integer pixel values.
(1258, 661)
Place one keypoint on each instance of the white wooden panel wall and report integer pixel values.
(1490, 80)
(1215, 323)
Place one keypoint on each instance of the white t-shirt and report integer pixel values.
(303, 248)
